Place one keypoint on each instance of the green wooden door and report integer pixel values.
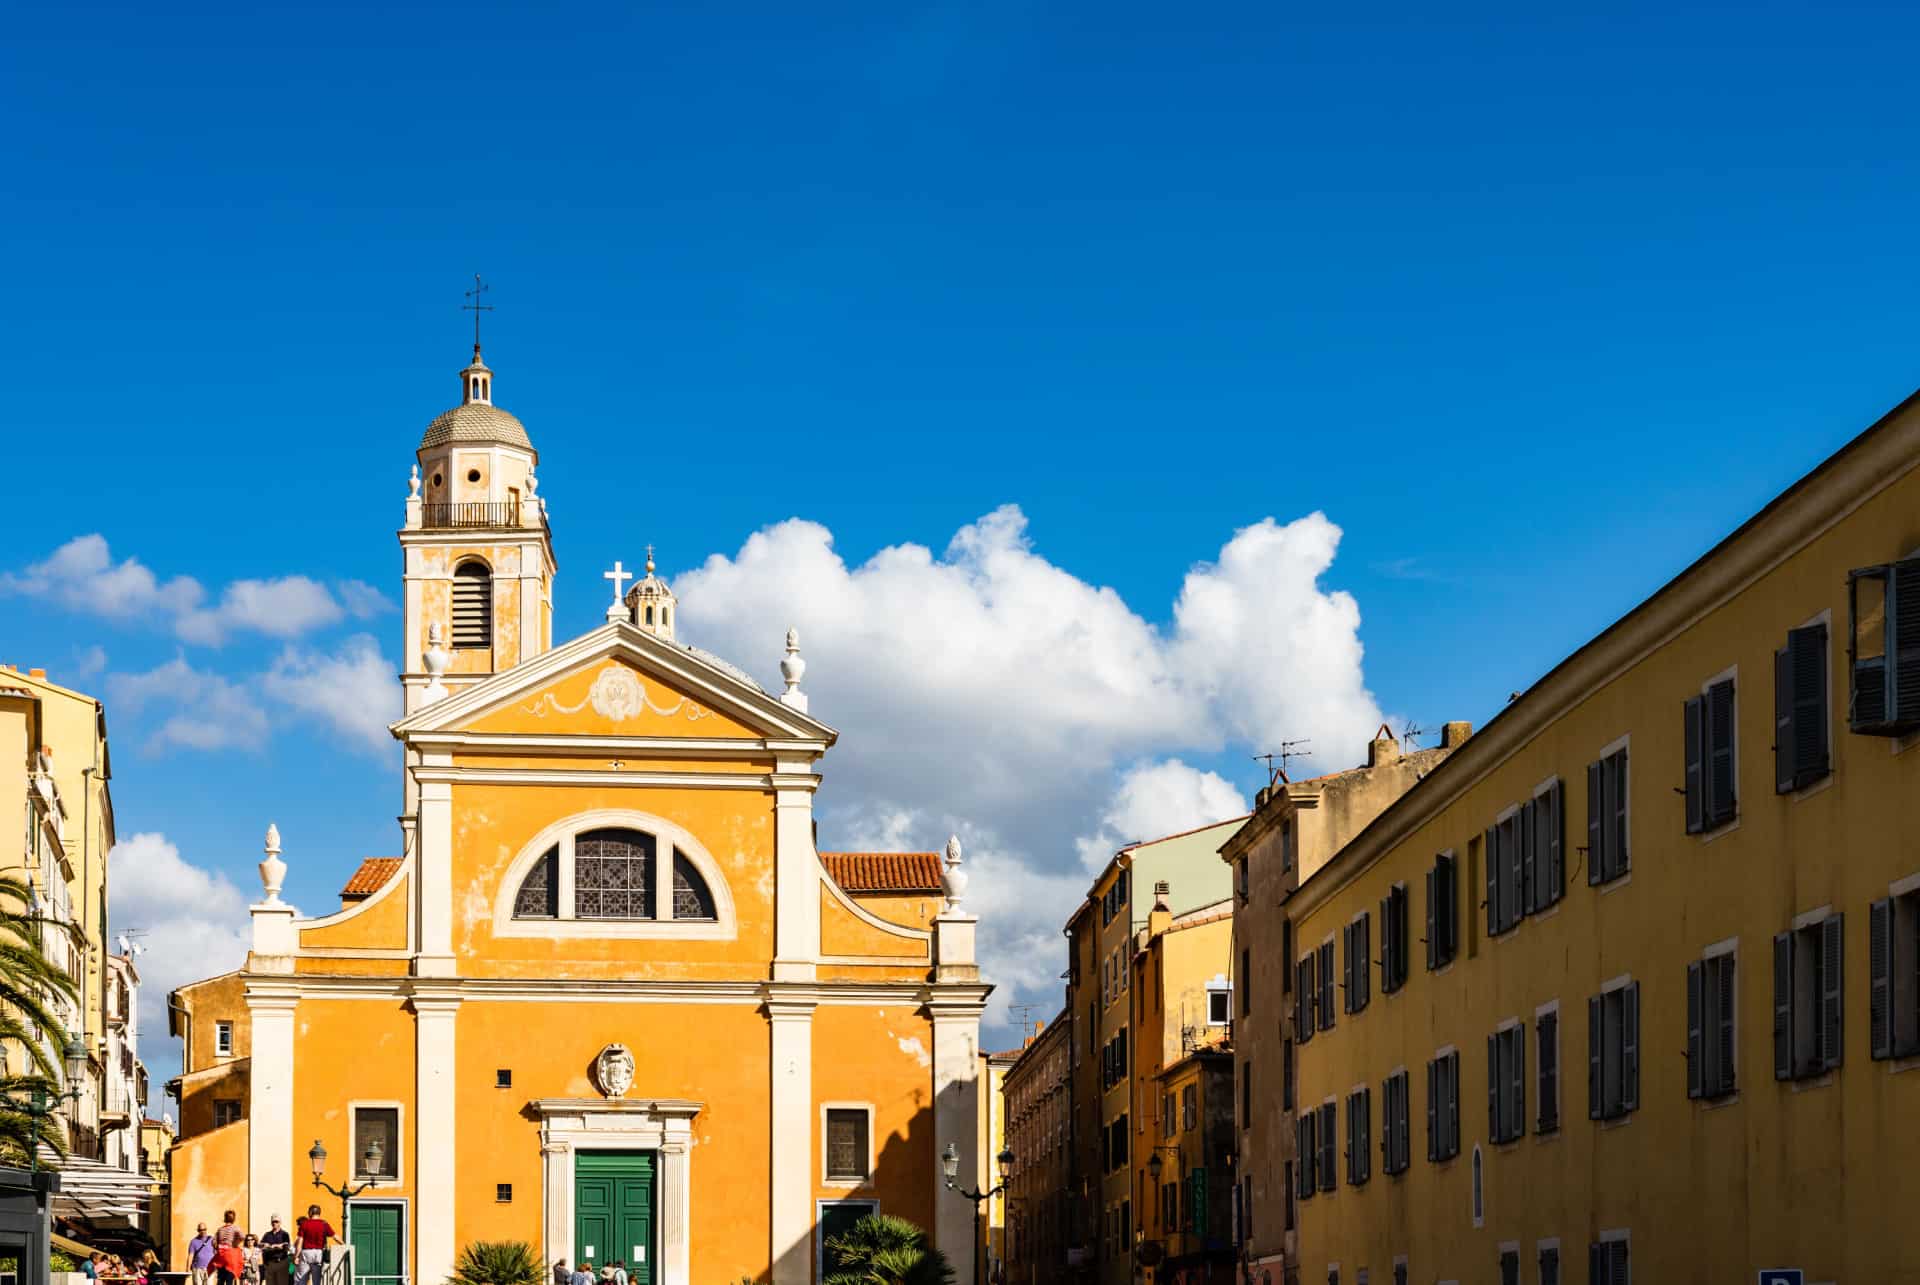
(613, 1211)
(378, 1234)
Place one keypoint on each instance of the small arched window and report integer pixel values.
(539, 895)
(691, 898)
(472, 606)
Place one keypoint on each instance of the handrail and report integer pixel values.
(442, 515)
(339, 1269)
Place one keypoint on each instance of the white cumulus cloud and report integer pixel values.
(1155, 799)
(197, 710)
(191, 923)
(352, 690)
(82, 576)
(284, 607)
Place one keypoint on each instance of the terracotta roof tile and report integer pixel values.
(884, 871)
(371, 877)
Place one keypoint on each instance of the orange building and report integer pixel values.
(609, 999)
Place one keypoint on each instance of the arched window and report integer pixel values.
(539, 895)
(691, 899)
(472, 606)
(613, 875)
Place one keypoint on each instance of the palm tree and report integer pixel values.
(498, 1262)
(884, 1250)
(28, 980)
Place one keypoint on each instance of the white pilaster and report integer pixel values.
(270, 1009)
(435, 879)
(676, 1213)
(434, 1162)
(956, 1120)
(790, 1169)
(796, 934)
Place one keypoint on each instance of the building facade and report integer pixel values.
(1295, 829)
(1664, 913)
(1038, 1092)
(609, 1000)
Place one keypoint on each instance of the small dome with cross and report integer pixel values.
(652, 602)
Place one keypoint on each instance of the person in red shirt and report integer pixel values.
(312, 1234)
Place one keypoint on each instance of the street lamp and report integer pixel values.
(370, 1160)
(950, 1165)
(41, 1104)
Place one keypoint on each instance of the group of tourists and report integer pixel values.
(613, 1273)
(117, 1271)
(235, 1256)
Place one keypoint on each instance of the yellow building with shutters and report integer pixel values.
(1657, 1015)
(609, 999)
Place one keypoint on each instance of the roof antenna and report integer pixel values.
(1288, 751)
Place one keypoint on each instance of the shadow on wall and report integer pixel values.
(906, 1168)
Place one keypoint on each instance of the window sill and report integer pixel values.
(1615, 884)
(1551, 910)
(1546, 1133)
(1720, 831)
(1620, 1121)
(1724, 1100)
(846, 1184)
(1812, 1082)
(1904, 1062)
(1806, 792)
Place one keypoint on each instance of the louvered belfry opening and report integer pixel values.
(472, 607)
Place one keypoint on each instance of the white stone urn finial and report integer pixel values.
(273, 871)
(435, 659)
(793, 669)
(533, 484)
(953, 880)
(413, 483)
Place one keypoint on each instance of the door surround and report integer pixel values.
(405, 1205)
(663, 1125)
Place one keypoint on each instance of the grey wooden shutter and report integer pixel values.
(1809, 653)
(1433, 1110)
(1517, 1082)
(1617, 1264)
(1695, 1050)
(1363, 961)
(1630, 1047)
(1783, 706)
(1721, 801)
(1524, 882)
(1365, 1149)
(1903, 640)
(1553, 843)
(1326, 987)
(1594, 1103)
(1433, 918)
(1493, 1087)
(1302, 1158)
(1514, 902)
(1832, 944)
(1330, 1177)
(1783, 1006)
(1596, 822)
(1693, 737)
(1346, 968)
(1723, 1025)
(1880, 978)
(1453, 1103)
(1386, 943)
(1353, 1173)
(1489, 851)
(1449, 907)
(1404, 1144)
(1547, 1031)
(1596, 1264)
(1621, 854)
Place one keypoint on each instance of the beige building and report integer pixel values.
(1295, 829)
(1038, 1092)
(1674, 897)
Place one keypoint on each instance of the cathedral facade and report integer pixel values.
(609, 1000)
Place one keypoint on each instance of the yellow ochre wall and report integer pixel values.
(1815, 1174)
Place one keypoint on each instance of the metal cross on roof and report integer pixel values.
(474, 306)
(619, 575)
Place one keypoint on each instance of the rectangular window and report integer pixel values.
(226, 1111)
(503, 1193)
(1546, 1032)
(1395, 1109)
(1613, 1052)
(503, 1078)
(1246, 1095)
(1359, 1139)
(1883, 606)
(1708, 735)
(1443, 1107)
(1359, 962)
(1893, 950)
(1607, 798)
(1550, 1265)
(1543, 865)
(1807, 991)
(1240, 879)
(1710, 1034)
(1502, 848)
(1245, 982)
(1306, 1154)
(1509, 1267)
(1189, 1108)
(1286, 1075)
(1393, 939)
(1443, 911)
(1506, 1084)
(223, 1039)
(1218, 1002)
(1329, 1176)
(376, 1143)
(847, 1150)
(1800, 709)
(1304, 992)
(1607, 1263)
(1325, 1004)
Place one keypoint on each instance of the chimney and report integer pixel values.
(1454, 735)
(36, 673)
(1383, 748)
(1160, 916)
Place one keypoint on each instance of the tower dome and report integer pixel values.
(652, 602)
(476, 421)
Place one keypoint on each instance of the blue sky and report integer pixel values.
(1534, 305)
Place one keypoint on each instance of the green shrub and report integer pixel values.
(884, 1250)
(498, 1262)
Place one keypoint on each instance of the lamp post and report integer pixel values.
(317, 1157)
(1155, 1167)
(950, 1165)
(41, 1104)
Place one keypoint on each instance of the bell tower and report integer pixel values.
(477, 552)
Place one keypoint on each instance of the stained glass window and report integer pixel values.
(691, 899)
(539, 895)
(613, 875)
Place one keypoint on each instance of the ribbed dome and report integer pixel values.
(476, 422)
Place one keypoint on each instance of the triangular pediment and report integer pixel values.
(618, 681)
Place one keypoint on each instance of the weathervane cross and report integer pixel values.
(476, 307)
(619, 575)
